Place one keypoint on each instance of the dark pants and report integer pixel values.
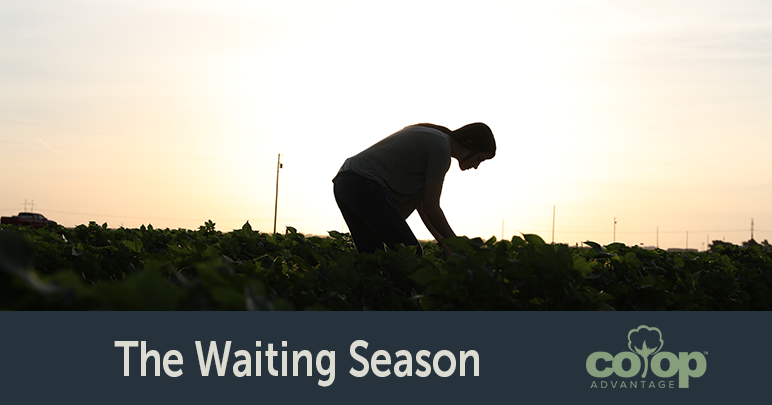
(371, 214)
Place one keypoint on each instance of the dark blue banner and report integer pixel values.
(384, 358)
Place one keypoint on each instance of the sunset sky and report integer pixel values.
(171, 113)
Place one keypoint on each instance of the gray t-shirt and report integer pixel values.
(402, 162)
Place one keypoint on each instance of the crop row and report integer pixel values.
(93, 267)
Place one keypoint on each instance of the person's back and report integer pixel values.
(377, 189)
(402, 162)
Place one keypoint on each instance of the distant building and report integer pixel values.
(682, 250)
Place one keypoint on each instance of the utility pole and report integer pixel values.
(553, 224)
(615, 229)
(276, 203)
(751, 228)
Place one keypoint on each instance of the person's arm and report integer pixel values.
(426, 222)
(432, 215)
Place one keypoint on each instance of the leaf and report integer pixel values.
(534, 239)
(632, 260)
(429, 303)
(15, 251)
(459, 244)
(583, 267)
(597, 249)
(134, 245)
(425, 275)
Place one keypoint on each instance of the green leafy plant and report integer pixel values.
(95, 267)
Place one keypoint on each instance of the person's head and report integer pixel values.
(476, 137)
(476, 140)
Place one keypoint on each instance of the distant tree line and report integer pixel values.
(713, 247)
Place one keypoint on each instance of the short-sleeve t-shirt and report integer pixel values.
(402, 162)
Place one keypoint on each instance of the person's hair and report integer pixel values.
(477, 136)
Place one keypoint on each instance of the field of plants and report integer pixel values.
(91, 267)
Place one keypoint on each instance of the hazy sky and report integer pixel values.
(656, 113)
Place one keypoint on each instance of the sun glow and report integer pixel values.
(175, 111)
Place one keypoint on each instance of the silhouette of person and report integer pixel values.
(378, 188)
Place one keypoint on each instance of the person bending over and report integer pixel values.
(378, 188)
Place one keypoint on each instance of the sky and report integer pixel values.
(641, 122)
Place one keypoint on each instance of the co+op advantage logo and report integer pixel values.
(645, 341)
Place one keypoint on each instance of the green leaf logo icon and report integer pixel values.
(645, 341)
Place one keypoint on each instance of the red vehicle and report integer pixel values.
(27, 218)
